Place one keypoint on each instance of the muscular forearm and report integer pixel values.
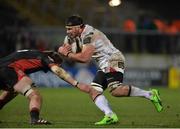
(82, 87)
(61, 73)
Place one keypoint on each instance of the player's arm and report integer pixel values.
(84, 56)
(61, 73)
(52, 60)
(86, 53)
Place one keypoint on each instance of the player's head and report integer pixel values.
(54, 55)
(74, 25)
(74, 21)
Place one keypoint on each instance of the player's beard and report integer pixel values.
(73, 35)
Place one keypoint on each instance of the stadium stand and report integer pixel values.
(10, 22)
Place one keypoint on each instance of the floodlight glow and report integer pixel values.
(114, 3)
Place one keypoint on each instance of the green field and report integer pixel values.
(70, 108)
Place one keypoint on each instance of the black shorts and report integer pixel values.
(103, 79)
(8, 78)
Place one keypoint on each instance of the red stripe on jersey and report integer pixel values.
(25, 64)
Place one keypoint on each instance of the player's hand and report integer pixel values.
(68, 47)
(65, 49)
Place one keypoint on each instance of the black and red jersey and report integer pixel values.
(15, 66)
(27, 61)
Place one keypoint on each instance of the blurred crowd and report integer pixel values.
(153, 36)
(154, 24)
(146, 34)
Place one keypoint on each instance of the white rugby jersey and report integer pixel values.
(103, 46)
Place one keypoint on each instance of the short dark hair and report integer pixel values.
(54, 55)
(74, 20)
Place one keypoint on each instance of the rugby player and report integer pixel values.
(111, 64)
(14, 79)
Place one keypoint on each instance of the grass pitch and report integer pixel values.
(70, 108)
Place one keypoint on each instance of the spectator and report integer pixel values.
(147, 43)
(177, 24)
(171, 28)
(146, 23)
(160, 24)
(129, 25)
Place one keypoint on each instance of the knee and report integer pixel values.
(35, 95)
(94, 93)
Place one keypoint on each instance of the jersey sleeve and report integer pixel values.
(89, 39)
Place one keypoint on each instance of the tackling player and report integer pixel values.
(111, 64)
(13, 78)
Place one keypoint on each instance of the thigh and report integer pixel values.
(99, 82)
(116, 63)
(114, 79)
(23, 85)
(114, 76)
(8, 78)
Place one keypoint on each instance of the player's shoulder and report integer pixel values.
(29, 53)
(88, 34)
(88, 30)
